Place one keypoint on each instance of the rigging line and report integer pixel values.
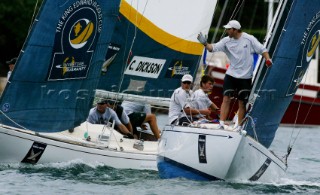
(294, 140)
(33, 15)
(235, 12)
(125, 59)
(258, 91)
(253, 127)
(13, 121)
(132, 43)
(306, 116)
(219, 21)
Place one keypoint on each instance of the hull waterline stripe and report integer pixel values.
(195, 171)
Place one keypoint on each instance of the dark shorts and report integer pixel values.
(137, 118)
(184, 121)
(239, 88)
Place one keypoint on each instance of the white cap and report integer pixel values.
(187, 77)
(233, 24)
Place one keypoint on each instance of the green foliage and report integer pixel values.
(258, 33)
(16, 17)
(15, 20)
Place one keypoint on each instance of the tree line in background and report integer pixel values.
(16, 17)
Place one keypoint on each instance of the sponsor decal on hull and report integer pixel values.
(35, 153)
(261, 170)
(202, 149)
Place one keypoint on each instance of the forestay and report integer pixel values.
(294, 39)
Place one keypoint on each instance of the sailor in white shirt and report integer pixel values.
(239, 47)
(180, 109)
(200, 99)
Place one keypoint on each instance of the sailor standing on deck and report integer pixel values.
(239, 47)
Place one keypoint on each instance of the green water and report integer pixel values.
(302, 177)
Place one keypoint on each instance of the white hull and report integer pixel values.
(210, 154)
(113, 150)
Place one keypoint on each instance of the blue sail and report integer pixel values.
(294, 40)
(147, 60)
(52, 86)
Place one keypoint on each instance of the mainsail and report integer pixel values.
(295, 37)
(52, 86)
(154, 45)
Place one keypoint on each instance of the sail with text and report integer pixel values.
(53, 84)
(154, 45)
(293, 43)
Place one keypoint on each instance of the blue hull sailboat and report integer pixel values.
(202, 152)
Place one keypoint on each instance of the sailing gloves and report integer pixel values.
(269, 63)
(202, 39)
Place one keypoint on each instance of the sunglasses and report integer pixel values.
(186, 82)
(101, 103)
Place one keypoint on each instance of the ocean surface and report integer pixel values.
(75, 177)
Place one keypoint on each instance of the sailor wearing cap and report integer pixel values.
(239, 47)
(101, 114)
(11, 64)
(180, 108)
(178, 101)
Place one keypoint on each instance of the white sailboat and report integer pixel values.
(202, 152)
(48, 97)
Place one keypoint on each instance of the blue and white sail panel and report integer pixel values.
(154, 45)
(293, 44)
(52, 86)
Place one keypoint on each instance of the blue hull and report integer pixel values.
(171, 169)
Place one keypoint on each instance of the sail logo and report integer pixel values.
(77, 32)
(112, 52)
(313, 45)
(5, 107)
(308, 46)
(178, 68)
(70, 65)
(80, 33)
(145, 67)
